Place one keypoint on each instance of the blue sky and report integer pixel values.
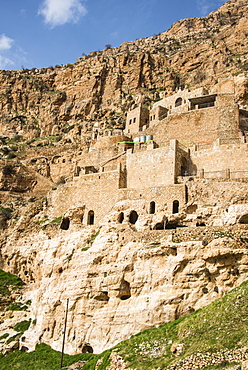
(43, 33)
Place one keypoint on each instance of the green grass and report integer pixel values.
(9, 282)
(221, 325)
(44, 358)
(4, 336)
(56, 220)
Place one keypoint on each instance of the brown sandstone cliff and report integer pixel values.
(102, 85)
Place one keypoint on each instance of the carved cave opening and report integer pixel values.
(125, 291)
(178, 102)
(87, 349)
(133, 217)
(65, 223)
(244, 219)
(121, 217)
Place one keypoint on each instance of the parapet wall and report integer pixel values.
(221, 161)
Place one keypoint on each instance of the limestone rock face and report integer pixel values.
(119, 284)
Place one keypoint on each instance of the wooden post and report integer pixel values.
(63, 344)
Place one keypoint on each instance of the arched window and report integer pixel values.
(178, 102)
(175, 206)
(133, 217)
(152, 208)
(90, 220)
(121, 217)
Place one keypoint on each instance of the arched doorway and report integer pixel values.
(152, 208)
(133, 217)
(91, 217)
(175, 206)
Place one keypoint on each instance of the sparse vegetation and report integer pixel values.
(93, 237)
(9, 282)
(22, 326)
(17, 306)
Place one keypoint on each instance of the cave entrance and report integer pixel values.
(243, 219)
(65, 223)
(133, 217)
(87, 349)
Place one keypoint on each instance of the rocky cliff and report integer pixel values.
(101, 86)
(119, 278)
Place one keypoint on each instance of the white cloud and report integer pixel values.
(58, 12)
(205, 6)
(5, 42)
(4, 62)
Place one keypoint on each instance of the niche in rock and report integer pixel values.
(87, 349)
(125, 292)
(152, 208)
(244, 219)
(102, 296)
(65, 223)
(200, 224)
(91, 217)
(159, 226)
(133, 217)
(121, 217)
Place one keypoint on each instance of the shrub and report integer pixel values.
(9, 282)
(22, 326)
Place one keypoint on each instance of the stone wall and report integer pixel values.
(154, 167)
(163, 196)
(225, 161)
(96, 191)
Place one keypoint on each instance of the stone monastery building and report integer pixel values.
(189, 134)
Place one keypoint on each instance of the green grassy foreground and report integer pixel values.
(221, 325)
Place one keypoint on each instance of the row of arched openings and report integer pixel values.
(175, 207)
(133, 217)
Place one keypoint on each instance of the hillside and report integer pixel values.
(123, 186)
(213, 337)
